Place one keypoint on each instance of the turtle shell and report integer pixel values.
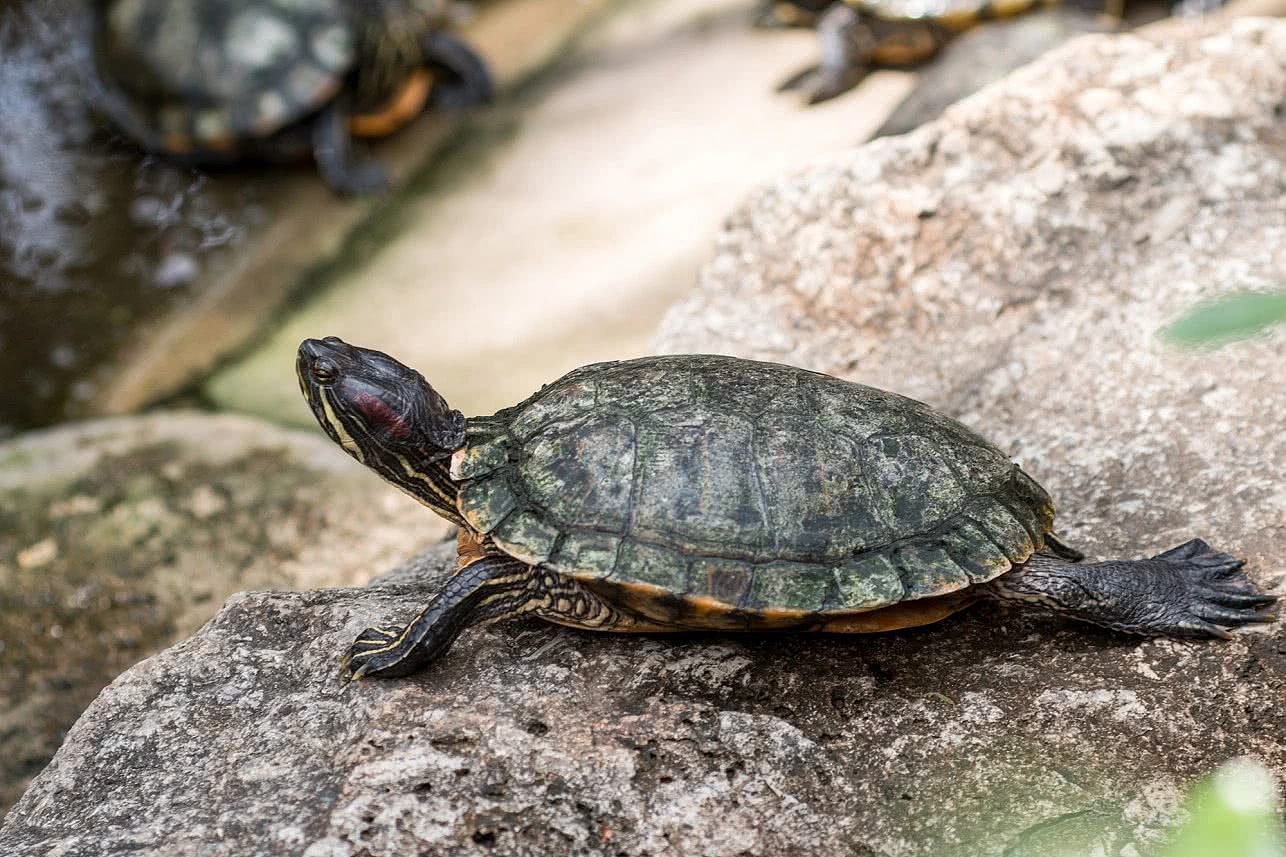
(954, 15)
(746, 487)
(187, 75)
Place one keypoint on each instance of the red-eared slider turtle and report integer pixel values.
(858, 35)
(218, 81)
(696, 491)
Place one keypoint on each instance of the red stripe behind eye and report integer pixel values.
(380, 415)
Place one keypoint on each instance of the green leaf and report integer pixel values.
(1231, 814)
(1234, 316)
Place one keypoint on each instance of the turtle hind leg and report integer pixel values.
(491, 588)
(460, 77)
(339, 165)
(846, 45)
(1189, 591)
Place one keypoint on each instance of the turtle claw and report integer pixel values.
(1197, 552)
(357, 661)
(1237, 596)
(1216, 595)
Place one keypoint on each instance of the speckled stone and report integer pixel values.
(990, 731)
(119, 536)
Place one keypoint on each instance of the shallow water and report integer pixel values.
(95, 238)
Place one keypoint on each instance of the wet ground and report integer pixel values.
(95, 240)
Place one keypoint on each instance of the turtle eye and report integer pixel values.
(324, 371)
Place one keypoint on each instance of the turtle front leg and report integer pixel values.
(460, 76)
(1189, 591)
(488, 589)
(338, 164)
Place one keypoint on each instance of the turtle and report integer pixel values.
(212, 82)
(706, 492)
(856, 35)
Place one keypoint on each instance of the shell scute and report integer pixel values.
(791, 586)
(928, 570)
(583, 471)
(526, 536)
(823, 511)
(571, 402)
(914, 489)
(725, 580)
(971, 549)
(1003, 528)
(869, 581)
(480, 459)
(684, 496)
(488, 502)
(644, 563)
(587, 551)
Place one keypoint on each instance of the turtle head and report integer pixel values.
(381, 412)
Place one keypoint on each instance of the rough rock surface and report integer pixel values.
(119, 536)
(994, 732)
(1008, 263)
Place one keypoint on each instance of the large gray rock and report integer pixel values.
(119, 536)
(1008, 263)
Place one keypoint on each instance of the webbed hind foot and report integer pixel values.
(1188, 591)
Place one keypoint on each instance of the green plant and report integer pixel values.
(1232, 813)
(1227, 318)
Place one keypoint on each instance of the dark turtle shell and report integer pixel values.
(953, 14)
(188, 76)
(194, 74)
(750, 486)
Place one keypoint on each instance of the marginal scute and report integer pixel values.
(868, 581)
(591, 554)
(928, 570)
(998, 522)
(487, 501)
(644, 563)
(972, 550)
(725, 580)
(1031, 496)
(526, 536)
(791, 586)
(474, 461)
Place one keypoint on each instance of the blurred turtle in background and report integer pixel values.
(221, 81)
(858, 35)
